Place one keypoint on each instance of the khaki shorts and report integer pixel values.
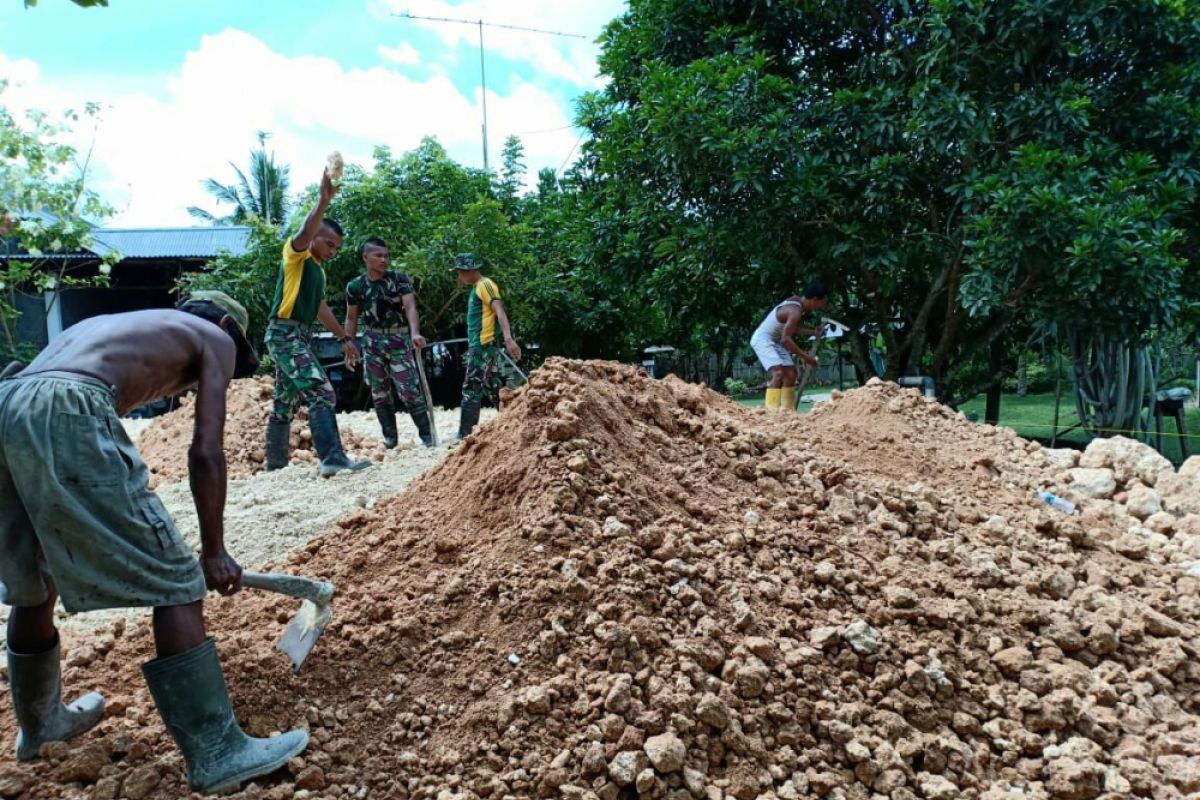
(75, 510)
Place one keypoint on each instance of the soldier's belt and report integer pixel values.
(394, 329)
(291, 323)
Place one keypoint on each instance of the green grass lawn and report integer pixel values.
(1032, 416)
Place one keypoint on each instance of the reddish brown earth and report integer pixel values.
(628, 588)
(164, 444)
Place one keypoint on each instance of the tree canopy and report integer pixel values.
(46, 210)
(956, 169)
(428, 208)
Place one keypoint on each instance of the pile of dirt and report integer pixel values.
(164, 444)
(627, 588)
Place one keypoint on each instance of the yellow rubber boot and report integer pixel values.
(772, 398)
(787, 398)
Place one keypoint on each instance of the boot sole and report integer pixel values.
(339, 471)
(254, 772)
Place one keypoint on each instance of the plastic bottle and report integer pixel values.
(1061, 503)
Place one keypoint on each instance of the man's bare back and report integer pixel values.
(146, 355)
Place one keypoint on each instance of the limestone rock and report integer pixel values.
(626, 766)
(1096, 483)
(1128, 458)
(666, 752)
(861, 637)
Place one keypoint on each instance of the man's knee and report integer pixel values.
(322, 399)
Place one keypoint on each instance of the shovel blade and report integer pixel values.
(302, 634)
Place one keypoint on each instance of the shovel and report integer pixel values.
(420, 362)
(310, 621)
(806, 373)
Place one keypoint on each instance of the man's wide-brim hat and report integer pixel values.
(465, 261)
(235, 310)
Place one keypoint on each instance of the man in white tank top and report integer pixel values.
(773, 343)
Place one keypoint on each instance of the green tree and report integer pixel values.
(512, 174)
(959, 171)
(429, 208)
(46, 210)
(262, 194)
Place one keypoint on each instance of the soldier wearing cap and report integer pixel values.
(78, 520)
(486, 322)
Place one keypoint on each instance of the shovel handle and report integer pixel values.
(418, 359)
(318, 592)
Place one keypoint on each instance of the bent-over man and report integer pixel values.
(77, 520)
(775, 345)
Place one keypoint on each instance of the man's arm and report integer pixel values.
(790, 329)
(330, 321)
(206, 465)
(510, 344)
(414, 320)
(302, 240)
(351, 321)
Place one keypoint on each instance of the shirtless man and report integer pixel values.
(77, 519)
(774, 344)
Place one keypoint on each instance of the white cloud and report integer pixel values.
(155, 147)
(404, 54)
(570, 59)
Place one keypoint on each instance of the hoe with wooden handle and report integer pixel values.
(310, 621)
(806, 372)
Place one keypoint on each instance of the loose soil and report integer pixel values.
(626, 588)
(164, 443)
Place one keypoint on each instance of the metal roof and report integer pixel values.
(171, 242)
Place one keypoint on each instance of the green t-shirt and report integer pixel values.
(482, 325)
(380, 303)
(300, 287)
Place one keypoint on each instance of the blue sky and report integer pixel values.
(185, 84)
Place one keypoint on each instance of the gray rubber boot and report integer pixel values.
(279, 436)
(328, 443)
(35, 682)
(190, 692)
(468, 418)
(387, 424)
(420, 418)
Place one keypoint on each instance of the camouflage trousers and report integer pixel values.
(483, 373)
(388, 362)
(299, 377)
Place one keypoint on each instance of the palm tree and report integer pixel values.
(264, 194)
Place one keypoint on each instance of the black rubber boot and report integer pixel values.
(279, 436)
(328, 443)
(420, 418)
(35, 682)
(190, 692)
(468, 418)
(387, 424)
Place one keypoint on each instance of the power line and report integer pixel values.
(409, 15)
(562, 166)
(546, 130)
(482, 71)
